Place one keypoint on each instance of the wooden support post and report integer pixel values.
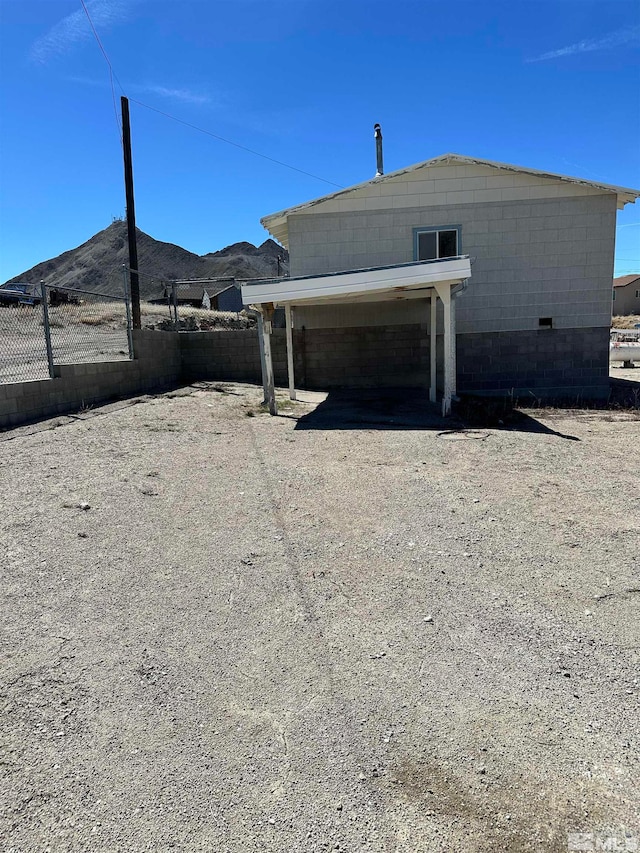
(267, 316)
(433, 346)
(290, 373)
(454, 366)
(444, 292)
(263, 364)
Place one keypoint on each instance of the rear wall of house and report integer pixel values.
(539, 248)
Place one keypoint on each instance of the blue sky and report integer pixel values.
(550, 85)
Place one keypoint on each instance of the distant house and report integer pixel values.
(626, 294)
(215, 295)
(229, 299)
(458, 274)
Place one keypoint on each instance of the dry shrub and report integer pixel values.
(628, 321)
(99, 319)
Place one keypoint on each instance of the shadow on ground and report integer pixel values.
(625, 392)
(409, 409)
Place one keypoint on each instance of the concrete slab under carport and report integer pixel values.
(432, 280)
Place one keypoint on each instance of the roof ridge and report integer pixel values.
(277, 221)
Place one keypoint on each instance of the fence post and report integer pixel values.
(127, 302)
(47, 327)
(174, 300)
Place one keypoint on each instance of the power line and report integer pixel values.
(236, 144)
(112, 73)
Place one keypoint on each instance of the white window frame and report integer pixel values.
(436, 229)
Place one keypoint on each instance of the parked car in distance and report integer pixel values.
(20, 294)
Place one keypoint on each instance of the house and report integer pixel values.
(626, 294)
(215, 294)
(229, 299)
(458, 274)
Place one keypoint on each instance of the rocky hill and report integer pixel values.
(97, 264)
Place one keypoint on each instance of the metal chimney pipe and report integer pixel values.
(377, 132)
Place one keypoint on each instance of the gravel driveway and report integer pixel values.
(338, 629)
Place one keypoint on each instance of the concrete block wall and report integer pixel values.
(540, 248)
(542, 364)
(550, 257)
(384, 356)
(546, 363)
(445, 184)
(323, 358)
(234, 356)
(157, 367)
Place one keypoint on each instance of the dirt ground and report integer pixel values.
(352, 627)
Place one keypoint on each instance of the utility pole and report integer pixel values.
(131, 214)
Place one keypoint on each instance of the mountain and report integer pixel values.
(97, 264)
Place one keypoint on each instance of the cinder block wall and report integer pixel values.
(549, 257)
(231, 355)
(548, 363)
(157, 367)
(542, 364)
(323, 358)
(384, 356)
(539, 249)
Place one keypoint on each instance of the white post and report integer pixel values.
(454, 366)
(444, 292)
(292, 383)
(267, 377)
(432, 346)
(263, 365)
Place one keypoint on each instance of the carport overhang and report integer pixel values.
(433, 280)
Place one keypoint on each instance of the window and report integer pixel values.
(545, 322)
(430, 244)
(637, 294)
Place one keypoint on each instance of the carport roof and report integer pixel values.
(276, 223)
(374, 284)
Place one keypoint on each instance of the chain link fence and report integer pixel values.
(42, 326)
(87, 326)
(23, 348)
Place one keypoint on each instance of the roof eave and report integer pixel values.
(276, 222)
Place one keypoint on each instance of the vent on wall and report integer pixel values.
(545, 322)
